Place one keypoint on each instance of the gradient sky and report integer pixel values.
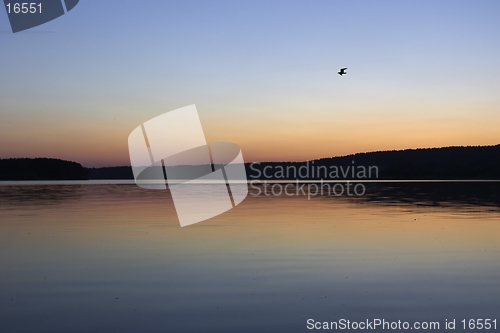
(261, 73)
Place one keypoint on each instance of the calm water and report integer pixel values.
(112, 258)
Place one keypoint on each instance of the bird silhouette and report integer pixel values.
(342, 71)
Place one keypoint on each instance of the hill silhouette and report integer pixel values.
(448, 163)
(41, 169)
(458, 163)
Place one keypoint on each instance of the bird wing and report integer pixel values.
(343, 69)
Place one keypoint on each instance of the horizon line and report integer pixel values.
(316, 159)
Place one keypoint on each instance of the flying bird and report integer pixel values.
(342, 71)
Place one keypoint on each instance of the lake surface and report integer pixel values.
(91, 257)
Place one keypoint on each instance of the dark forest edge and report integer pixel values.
(457, 163)
(41, 169)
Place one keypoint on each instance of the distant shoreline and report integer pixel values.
(472, 163)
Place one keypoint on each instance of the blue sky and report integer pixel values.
(262, 74)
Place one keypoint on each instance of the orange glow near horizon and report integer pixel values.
(299, 137)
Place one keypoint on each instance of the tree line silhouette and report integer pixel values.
(471, 162)
(41, 169)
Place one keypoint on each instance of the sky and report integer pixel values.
(263, 75)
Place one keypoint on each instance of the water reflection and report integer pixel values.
(39, 194)
(112, 258)
(435, 193)
(432, 194)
